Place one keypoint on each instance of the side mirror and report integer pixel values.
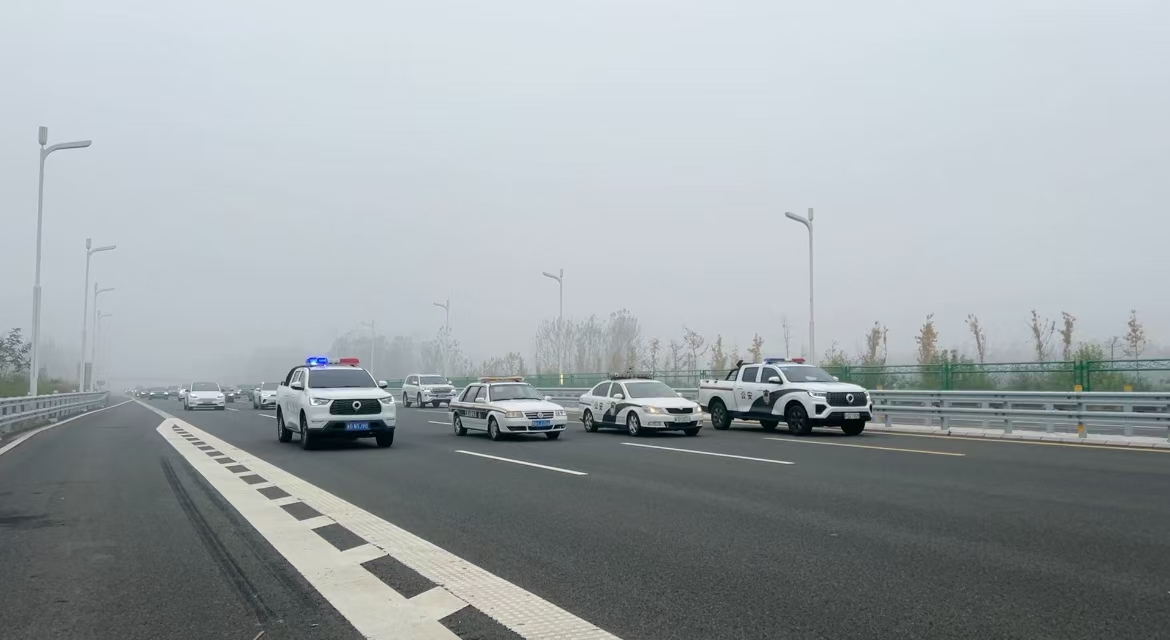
(837, 379)
(382, 384)
(619, 397)
(480, 401)
(774, 380)
(548, 397)
(296, 386)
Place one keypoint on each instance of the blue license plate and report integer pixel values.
(541, 424)
(357, 426)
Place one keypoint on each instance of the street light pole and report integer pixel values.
(85, 308)
(812, 340)
(446, 335)
(97, 336)
(93, 355)
(34, 360)
(560, 323)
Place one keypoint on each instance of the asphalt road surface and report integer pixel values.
(106, 532)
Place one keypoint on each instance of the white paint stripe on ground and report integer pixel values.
(524, 613)
(445, 424)
(432, 411)
(707, 453)
(25, 436)
(231, 409)
(265, 415)
(867, 446)
(527, 464)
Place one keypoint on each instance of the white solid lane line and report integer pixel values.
(707, 453)
(445, 424)
(231, 409)
(527, 464)
(432, 411)
(20, 439)
(265, 415)
(868, 446)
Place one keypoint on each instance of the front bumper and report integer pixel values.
(668, 422)
(267, 402)
(429, 396)
(524, 425)
(339, 429)
(205, 404)
(838, 416)
(320, 419)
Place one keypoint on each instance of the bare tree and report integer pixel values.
(676, 357)
(621, 332)
(650, 356)
(927, 340)
(1135, 336)
(1066, 334)
(695, 344)
(980, 336)
(756, 348)
(787, 336)
(876, 345)
(835, 357)
(1042, 331)
(718, 357)
(734, 356)
(1113, 342)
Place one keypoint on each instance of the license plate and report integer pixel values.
(541, 424)
(357, 426)
(684, 419)
(853, 416)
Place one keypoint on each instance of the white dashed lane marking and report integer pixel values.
(521, 462)
(707, 453)
(445, 424)
(265, 415)
(867, 446)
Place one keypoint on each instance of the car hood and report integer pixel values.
(204, 394)
(364, 393)
(527, 405)
(828, 386)
(666, 403)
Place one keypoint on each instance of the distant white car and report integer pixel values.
(204, 395)
(264, 396)
(637, 405)
(423, 389)
(506, 406)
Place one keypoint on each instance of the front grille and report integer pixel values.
(679, 410)
(841, 398)
(538, 415)
(345, 407)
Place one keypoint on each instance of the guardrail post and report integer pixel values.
(887, 421)
(946, 424)
(1048, 426)
(1007, 425)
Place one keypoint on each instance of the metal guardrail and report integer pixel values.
(1129, 414)
(20, 411)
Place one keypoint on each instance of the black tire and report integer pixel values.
(691, 432)
(282, 432)
(587, 422)
(460, 430)
(853, 427)
(384, 439)
(553, 435)
(769, 425)
(419, 399)
(405, 400)
(797, 419)
(494, 430)
(720, 419)
(633, 424)
(306, 439)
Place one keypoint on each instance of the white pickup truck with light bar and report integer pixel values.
(505, 406)
(326, 398)
(779, 390)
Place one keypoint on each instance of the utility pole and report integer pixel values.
(560, 278)
(812, 340)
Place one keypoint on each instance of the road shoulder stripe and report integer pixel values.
(868, 446)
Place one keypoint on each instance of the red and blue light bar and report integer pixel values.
(320, 361)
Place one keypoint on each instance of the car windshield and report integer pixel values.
(432, 380)
(805, 373)
(649, 389)
(204, 386)
(340, 379)
(268, 386)
(515, 392)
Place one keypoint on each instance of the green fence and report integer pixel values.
(1091, 375)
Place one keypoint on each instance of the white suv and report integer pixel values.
(334, 399)
(264, 396)
(426, 389)
(203, 395)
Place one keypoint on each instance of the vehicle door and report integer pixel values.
(617, 397)
(771, 386)
(479, 407)
(411, 386)
(597, 399)
(747, 388)
(287, 397)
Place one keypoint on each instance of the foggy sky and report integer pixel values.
(275, 173)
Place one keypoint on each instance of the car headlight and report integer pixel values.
(559, 413)
(387, 400)
(319, 402)
(817, 394)
(514, 414)
(219, 396)
(654, 410)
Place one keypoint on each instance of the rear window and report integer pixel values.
(205, 386)
(340, 379)
(268, 386)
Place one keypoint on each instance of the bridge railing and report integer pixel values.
(25, 410)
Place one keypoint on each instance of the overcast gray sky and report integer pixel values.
(360, 160)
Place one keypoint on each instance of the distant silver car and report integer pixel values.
(264, 396)
(426, 389)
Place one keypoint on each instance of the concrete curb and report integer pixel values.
(1027, 436)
